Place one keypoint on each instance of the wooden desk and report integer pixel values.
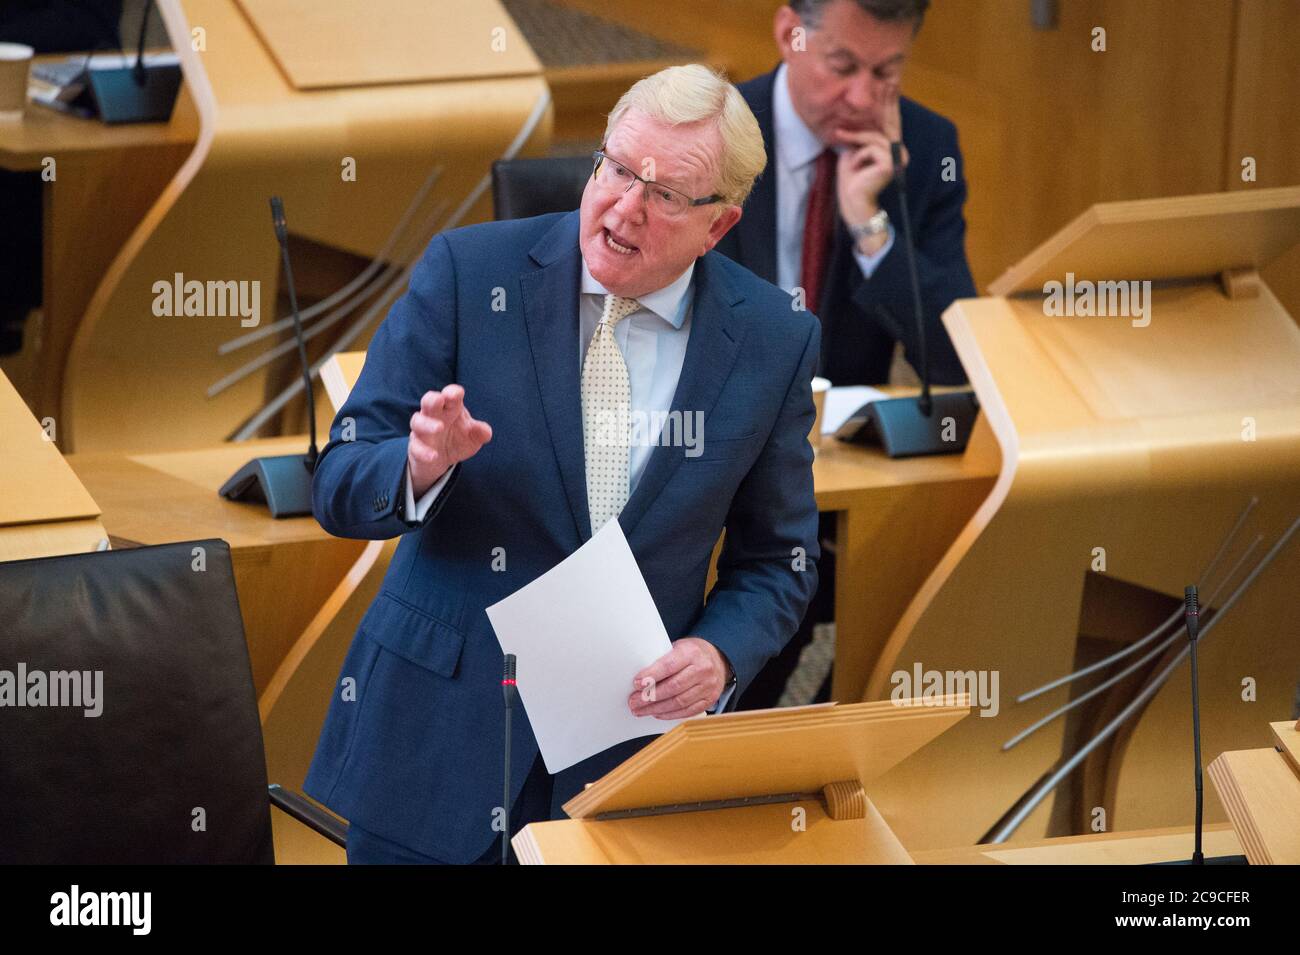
(45, 132)
(372, 166)
(373, 170)
(284, 569)
(105, 178)
(896, 519)
(1139, 847)
(1112, 432)
(44, 509)
(1260, 789)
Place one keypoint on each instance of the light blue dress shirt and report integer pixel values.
(653, 342)
(797, 149)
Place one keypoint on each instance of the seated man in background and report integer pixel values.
(824, 215)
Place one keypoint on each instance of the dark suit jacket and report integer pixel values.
(863, 318)
(416, 757)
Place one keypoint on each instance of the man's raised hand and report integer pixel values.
(442, 435)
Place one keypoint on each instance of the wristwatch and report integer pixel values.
(873, 226)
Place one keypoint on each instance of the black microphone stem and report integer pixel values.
(138, 73)
(924, 402)
(508, 691)
(282, 234)
(1192, 614)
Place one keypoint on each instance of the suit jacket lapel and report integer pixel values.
(716, 334)
(550, 303)
(550, 300)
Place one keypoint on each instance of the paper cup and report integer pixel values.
(15, 62)
(819, 388)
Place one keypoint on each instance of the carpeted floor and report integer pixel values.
(562, 37)
(814, 663)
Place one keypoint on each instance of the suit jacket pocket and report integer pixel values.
(413, 634)
(721, 449)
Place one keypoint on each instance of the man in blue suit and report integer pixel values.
(550, 328)
(824, 216)
(823, 219)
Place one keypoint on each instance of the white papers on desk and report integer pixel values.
(842, 402)
(581, 632)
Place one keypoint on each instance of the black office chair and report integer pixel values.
(171, 769)
(532, 187)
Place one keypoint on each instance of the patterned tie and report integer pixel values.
(606, 405)
(818, 225)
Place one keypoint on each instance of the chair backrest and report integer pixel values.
(137, 738)
(522, 188)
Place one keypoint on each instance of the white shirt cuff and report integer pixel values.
(415, 510)
(721, 705)
(869, 263)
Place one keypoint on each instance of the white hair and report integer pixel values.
(691, 94)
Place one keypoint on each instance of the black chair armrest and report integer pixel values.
(309, 814)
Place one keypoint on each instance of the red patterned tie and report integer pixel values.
(818, 224)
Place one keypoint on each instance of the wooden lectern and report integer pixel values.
(1134, 434)
(767, 786)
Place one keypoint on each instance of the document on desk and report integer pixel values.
(842, 402)
(581, 632)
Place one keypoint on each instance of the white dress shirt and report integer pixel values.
(797, 149)
(653, 342)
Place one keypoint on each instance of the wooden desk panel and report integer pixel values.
(36, 484)
(897, 518)
(331, 43)
(1260, 790)
(1092, 473)
(1140, 847)
(44, 132)
(285, 570)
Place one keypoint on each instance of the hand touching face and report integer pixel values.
(867, 166)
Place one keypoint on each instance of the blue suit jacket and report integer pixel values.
(416, 755)
(862, 318)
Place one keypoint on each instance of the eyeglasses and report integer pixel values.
(615, 178)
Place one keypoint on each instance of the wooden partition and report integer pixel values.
(44, 509)
(369, 162)
(1131, 447)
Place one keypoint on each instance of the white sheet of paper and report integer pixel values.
(581, 632)
(842, 402)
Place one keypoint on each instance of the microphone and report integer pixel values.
(926, 424)
(282, 482)
(918, 313)
(282, 236)
(1192, 616)
(509, 691)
